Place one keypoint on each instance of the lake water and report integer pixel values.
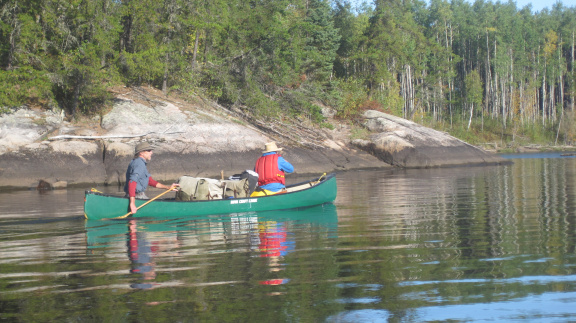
(467, 244)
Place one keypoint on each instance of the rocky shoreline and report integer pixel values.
(205, 140)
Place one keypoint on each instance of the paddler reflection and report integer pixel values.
(143, 248)
(274, 245)
(141, 253)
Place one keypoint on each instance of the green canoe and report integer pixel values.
(98, 206)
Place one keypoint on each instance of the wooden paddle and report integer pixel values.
(319, 179)
(149, 201)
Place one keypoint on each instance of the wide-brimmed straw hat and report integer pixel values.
(142, 147)
(270, 147)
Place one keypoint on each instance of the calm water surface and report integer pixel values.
(470, 244)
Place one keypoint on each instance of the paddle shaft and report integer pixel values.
(149, 201)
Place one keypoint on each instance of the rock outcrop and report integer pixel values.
(403, 143)
(204, 139)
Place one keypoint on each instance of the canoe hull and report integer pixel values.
(99, 206)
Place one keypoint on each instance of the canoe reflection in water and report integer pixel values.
(158, 248)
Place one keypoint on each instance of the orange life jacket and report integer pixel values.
(268, 171)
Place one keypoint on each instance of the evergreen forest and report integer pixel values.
(480, 70)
